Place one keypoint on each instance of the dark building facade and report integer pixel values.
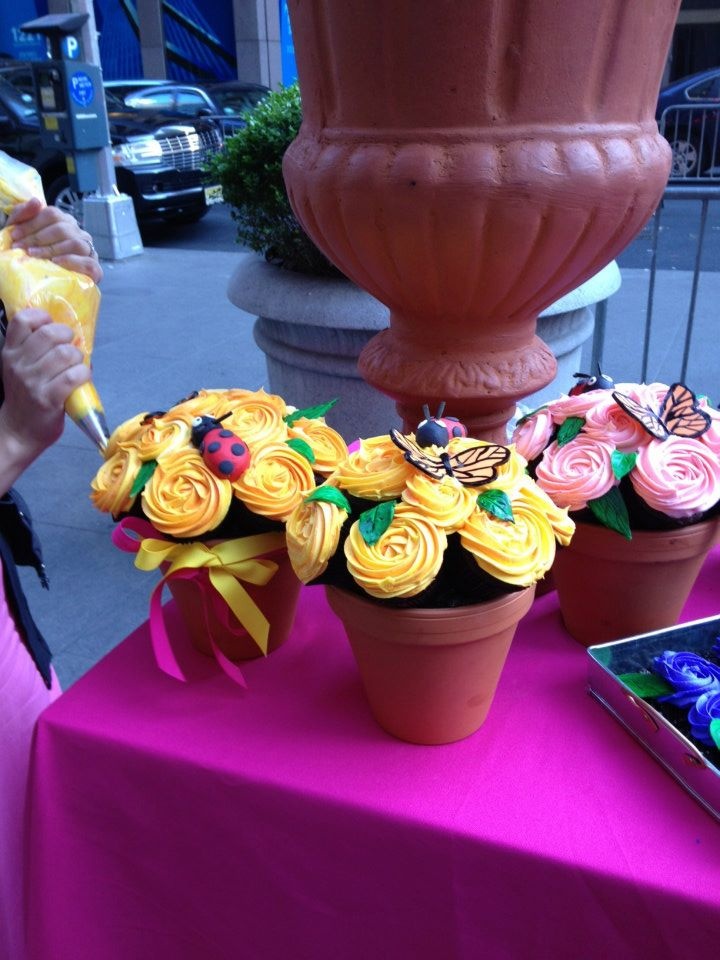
(696, 41)
(251, 39)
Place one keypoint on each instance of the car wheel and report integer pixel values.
(61, 194)
(684, 159)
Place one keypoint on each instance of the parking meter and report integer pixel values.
(71, 98)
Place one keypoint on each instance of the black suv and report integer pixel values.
(159, 159)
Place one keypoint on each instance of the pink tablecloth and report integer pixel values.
(23, 695)
(199, 822)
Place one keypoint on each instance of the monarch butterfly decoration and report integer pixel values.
(679, 414)
(472, 467)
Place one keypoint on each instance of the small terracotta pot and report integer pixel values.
(430, 675)
(610, 588)
(277, 600)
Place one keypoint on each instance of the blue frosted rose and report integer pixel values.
(690, 674)
(706, 709)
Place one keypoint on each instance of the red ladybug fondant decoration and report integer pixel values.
(438, 430)
(586, 381)
(224, 453)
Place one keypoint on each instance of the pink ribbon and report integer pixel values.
(127, 536)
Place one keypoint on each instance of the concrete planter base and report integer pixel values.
(312, 330)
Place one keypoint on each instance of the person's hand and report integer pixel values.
(51, 233)
(40, 369)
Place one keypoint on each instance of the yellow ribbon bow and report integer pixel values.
(227, 562)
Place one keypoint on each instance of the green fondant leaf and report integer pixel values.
(645, 685)
(302, 447)
(715, 731)
(309, 413)
(622, 463)
(146, 470)
(374, 522)
(497, 503)
(330, 495)
(528, 416)
(611, 511)
(568, 429)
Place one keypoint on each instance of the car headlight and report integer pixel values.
(137, 153)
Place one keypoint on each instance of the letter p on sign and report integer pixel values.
(72, 48)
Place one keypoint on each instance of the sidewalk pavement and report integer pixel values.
(625, 330)
(166, 328)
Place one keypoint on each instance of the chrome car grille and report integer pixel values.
(190, 149)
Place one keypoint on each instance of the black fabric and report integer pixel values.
(19, 545)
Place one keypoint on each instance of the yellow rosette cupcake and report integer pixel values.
(517, 551)
(202, 403)
(276, 481)
(183, 498)
(403, 561)
(446, 502)
(160, 436)
(328, 447)
(562, 524)
(313, 534)
(112, 484)
(378, 470)
(124, 435)
(258, 418)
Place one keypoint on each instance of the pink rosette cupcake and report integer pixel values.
(679, 477)
(575, 406)
(533, 433)
(576, 472)
(607, 421)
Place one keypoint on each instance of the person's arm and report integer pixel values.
(51, 233)
(40, 368)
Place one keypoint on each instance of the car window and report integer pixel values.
(23, 107)
(708, 89)
(114, 103)
(22, 81)
(190, 103)
(151, 101)
(232, 102)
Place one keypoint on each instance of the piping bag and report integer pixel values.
(70, 298)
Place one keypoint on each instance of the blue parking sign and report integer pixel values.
(71, 48)
(82, 89)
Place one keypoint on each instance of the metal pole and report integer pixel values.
(108, 215)
(693, 295)
(107, 183)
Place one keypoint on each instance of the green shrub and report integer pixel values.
(249, 170)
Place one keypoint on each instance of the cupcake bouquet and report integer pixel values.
(628, 456)
(202, 491)
(428, 519)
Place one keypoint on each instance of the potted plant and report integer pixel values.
(429, 545)
(638, 467)
(201, 491)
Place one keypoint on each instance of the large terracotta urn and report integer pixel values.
(468, 162)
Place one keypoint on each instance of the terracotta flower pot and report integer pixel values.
(204, 614)
(609, 587)
(430, 675)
